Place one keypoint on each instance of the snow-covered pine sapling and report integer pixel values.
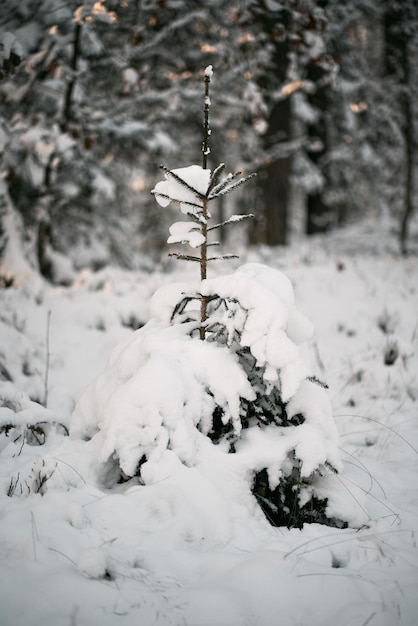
(194, 188)
(242, 405)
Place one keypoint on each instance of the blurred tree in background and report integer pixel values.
(318, 96)
(373, 110)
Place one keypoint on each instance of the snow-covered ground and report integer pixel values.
(178, 551)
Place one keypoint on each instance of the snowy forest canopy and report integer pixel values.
(319, 98)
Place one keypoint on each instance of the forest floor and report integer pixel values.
(175, 552)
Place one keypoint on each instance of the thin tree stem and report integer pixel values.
(204, 226)
(203, 268)
(206, 126)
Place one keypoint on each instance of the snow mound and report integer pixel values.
(165, 393)
(272, 327)
(157, 389)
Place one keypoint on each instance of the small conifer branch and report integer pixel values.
(210, 299)
(180, 306)
(234, 219)
(184, 242)
(194, 217)
(228, 189)
(182, 182)
(215, 177)
(230, 177)
(167, 197)
(184, 257)
(317, 381)
(213, 243)
(223, 257)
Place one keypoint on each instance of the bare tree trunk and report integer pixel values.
(72, 81)
(399, 43)
(318, 214)
(274, 180)
(43, 237)
(276, 194)
(409, 157)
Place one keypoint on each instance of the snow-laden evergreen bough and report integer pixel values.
(218, 377)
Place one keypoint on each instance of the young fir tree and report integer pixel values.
(218, 376)
(194, 188)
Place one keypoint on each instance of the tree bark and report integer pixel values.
(317, 211)
(398, 39)
(43, 238)
(72, 81)
(275, 178)
(409, 157)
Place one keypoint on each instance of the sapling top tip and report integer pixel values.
(194, 188)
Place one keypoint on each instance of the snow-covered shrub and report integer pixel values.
(246, 390)
(24, 421)
(217, 377)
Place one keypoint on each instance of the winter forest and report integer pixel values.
(208, 312)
